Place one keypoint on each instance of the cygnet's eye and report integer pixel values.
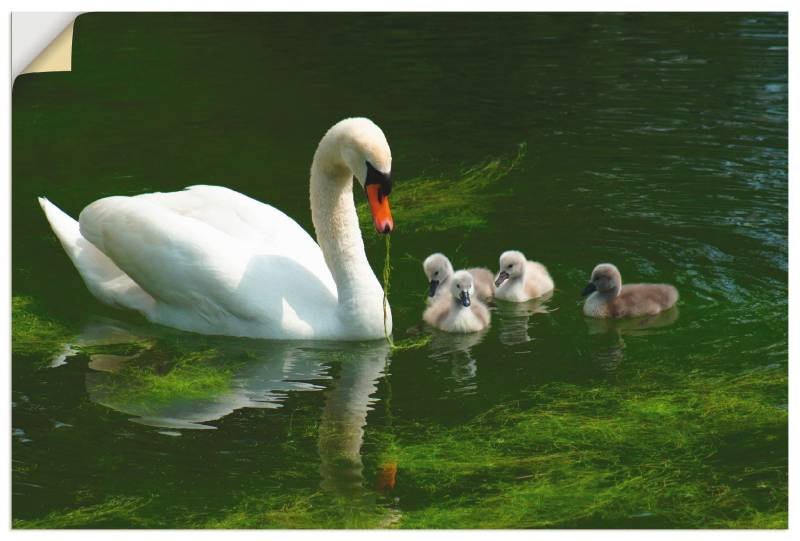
(458, 286)
(510, 265)
(436, 273)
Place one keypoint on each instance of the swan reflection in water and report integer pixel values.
(610, 354)
(272, 370)
(514, 318)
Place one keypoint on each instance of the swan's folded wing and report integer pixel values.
(263, 228)
(103, 278)
(179, 261)
(203, 279)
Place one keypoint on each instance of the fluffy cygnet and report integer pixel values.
(455, 310)
(520, 280)
(608, 298)
(438, 269)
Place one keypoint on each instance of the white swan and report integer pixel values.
(213, 261)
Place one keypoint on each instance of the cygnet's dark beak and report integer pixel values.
(589, 289)
(502, 277)
(465, 298)
(434, 285)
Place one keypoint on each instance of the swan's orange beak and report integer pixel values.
(379, 205)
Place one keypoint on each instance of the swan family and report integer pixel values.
(211, 260)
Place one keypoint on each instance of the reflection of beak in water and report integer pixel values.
(387, 477)
(515, 318)
(456, 350)
(341, 429)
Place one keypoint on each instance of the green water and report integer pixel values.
(655, 141)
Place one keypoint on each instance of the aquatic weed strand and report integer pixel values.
(387, 272)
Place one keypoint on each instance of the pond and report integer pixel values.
(655, 141)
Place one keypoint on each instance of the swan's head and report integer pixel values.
(462, 287)
(512, 265)
(438, 269)
(366, 152)
(605, 278)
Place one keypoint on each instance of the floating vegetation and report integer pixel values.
(145, 386)
(634, 455)
(116, 512)
(387, 273)
(428, 204)
(292, 508)
(409, 343)
(566, 455)
(34, 334)
(304, 510)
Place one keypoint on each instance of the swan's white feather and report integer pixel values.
(102, 277)
(216, 262)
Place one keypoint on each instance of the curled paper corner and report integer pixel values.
(41, 42)
(57, 56)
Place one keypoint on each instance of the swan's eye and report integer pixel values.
(509, 266)
(458, 286)
(436, 273)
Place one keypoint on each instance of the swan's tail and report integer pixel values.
(66, 229)
(102, 277)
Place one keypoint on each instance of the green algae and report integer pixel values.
(293, 509)
(148, 386)
(34, 334)
(310, 509)
(113, 513)
(635, 454)
(428, 204)
(409, 343)
(630, 454)
(387, 273)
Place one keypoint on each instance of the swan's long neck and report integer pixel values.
(339, 236)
